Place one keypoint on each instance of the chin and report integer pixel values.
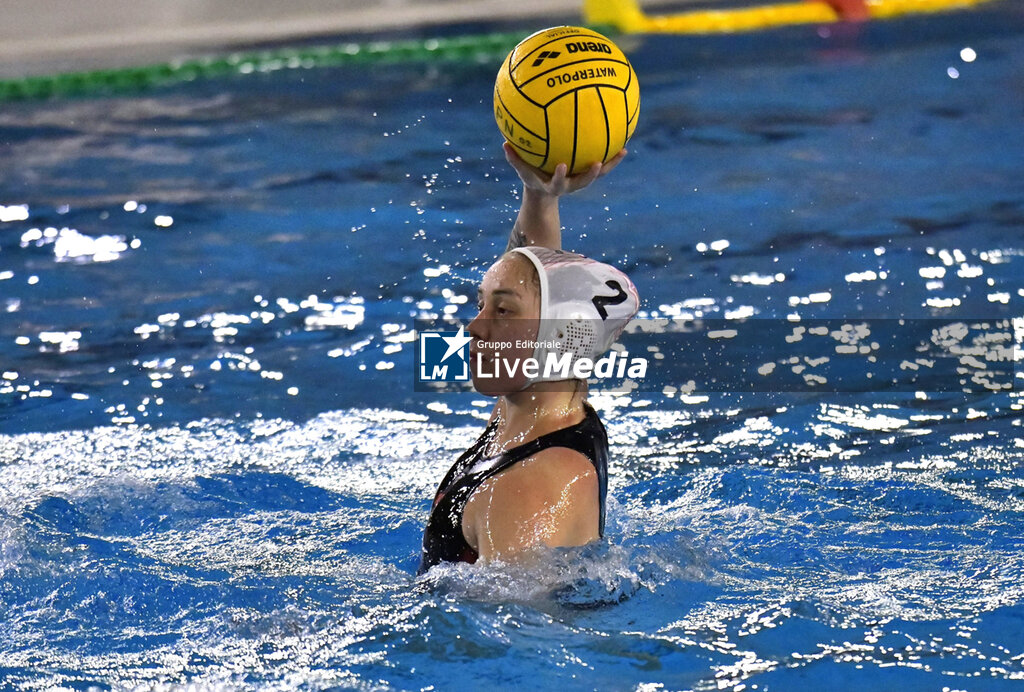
(498, 386)
(491, 375)
(486, 389)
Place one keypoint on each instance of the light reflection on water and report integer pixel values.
(240, 553)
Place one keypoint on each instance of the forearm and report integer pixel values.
(538, 222)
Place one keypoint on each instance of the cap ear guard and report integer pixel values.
(585, 305)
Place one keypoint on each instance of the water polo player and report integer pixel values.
(537, 476)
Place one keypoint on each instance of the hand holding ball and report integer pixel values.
(566, 95)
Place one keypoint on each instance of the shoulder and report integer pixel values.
(553, 469)
(551, 499)
(554, 484)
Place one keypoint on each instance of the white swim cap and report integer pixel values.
(584, 305)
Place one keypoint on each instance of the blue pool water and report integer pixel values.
(215, 470)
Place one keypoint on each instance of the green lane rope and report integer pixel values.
(610, 16)
(481, 49)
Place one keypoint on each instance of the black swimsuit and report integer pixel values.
(443, 540)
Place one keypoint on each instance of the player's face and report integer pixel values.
(505, 328)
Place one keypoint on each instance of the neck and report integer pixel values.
(539, 409)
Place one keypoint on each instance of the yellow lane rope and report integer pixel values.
(628, 17)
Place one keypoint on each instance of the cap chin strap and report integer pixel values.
(564, 321)
(542, 278)
(545, 321)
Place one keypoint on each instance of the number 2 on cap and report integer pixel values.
(601, 301)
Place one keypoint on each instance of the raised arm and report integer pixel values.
(538, 222)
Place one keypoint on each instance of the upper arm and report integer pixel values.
(551, 499)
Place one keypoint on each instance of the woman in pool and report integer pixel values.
(537, 475)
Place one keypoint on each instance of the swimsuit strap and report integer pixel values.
(466, 459)
(572, 438)
(576, 437)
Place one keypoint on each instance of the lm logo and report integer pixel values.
(444, 356)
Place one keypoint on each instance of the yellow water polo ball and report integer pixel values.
(566, 95)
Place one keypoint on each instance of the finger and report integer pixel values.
(613, 162)
(517, 161)
(532, 177)
(559, 178)
(513, 158)
(581, 180)
(510, 152)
